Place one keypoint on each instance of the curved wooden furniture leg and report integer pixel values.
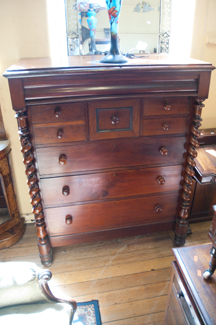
(45, 249)
(212, 265)
(212, 235)
(182, 222)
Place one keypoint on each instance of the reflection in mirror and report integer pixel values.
(4, 213)
(141, 22)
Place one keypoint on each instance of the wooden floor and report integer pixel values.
(130, 277)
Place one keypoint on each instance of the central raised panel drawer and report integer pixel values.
(114, 119)
(114, 153)
(71, 189)
(110, 215)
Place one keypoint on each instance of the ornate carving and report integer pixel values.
(43, 279)
(182, 223)
(44, 245)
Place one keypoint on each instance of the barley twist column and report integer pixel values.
(45, 249)
(182, 222)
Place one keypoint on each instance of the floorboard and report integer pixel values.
(130, 276)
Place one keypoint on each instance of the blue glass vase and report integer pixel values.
(92, 24)
(114, 56)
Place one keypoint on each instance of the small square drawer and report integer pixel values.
(160, 126)
(57, 113)
(166, 106)
(114, 119)
(57, 123)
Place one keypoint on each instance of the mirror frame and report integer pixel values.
(72, 27)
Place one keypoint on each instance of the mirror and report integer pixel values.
(141, 22)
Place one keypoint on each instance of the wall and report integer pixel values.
(24, 33)
(204, 26)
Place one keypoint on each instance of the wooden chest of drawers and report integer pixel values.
(109, 150)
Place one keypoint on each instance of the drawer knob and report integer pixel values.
(62, 160)
(158, 208)
(161, 180)
(180, 294)
(60, 134)
(114, 119)
(167, 106)
(66, 190)
(165, 126)
(57, 111)
(164, 151)
(68, 219)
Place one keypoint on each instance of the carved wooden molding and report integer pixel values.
(44, 245)
(182, 222)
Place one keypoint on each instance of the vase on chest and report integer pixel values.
(114, 55)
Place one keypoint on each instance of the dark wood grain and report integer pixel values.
(122, 213)
(48, 113)
(158, 106)
(86, 121)
(110, 154)
(101, 114)
(59, 133)
(192, 262)
(115, 184)
(206, 163)
(164, 126)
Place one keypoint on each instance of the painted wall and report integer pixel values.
(24, 33)
(204, 27)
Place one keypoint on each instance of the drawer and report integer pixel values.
(114, 119)
(57, 113)
(161, 126)
(118, 153)
(110, 215)
(166, 106)
(59, 133)
(181, 293)
(117, 184)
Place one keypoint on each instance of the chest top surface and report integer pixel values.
(80, 77)
(193, 261)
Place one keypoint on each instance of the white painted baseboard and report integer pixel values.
(29, 218)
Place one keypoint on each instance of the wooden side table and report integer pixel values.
(204, 183)
(191, 299)
(12, 226)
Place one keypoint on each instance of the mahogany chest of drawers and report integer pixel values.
(109, 149)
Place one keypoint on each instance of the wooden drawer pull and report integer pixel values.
(158, 208)
(60, 134)
(68, 219)
(164, 151)
(114, 119)
(62, 160)
(57, 111)
(161, 180)
(167, 106)
(66, 190)
(165, 126)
